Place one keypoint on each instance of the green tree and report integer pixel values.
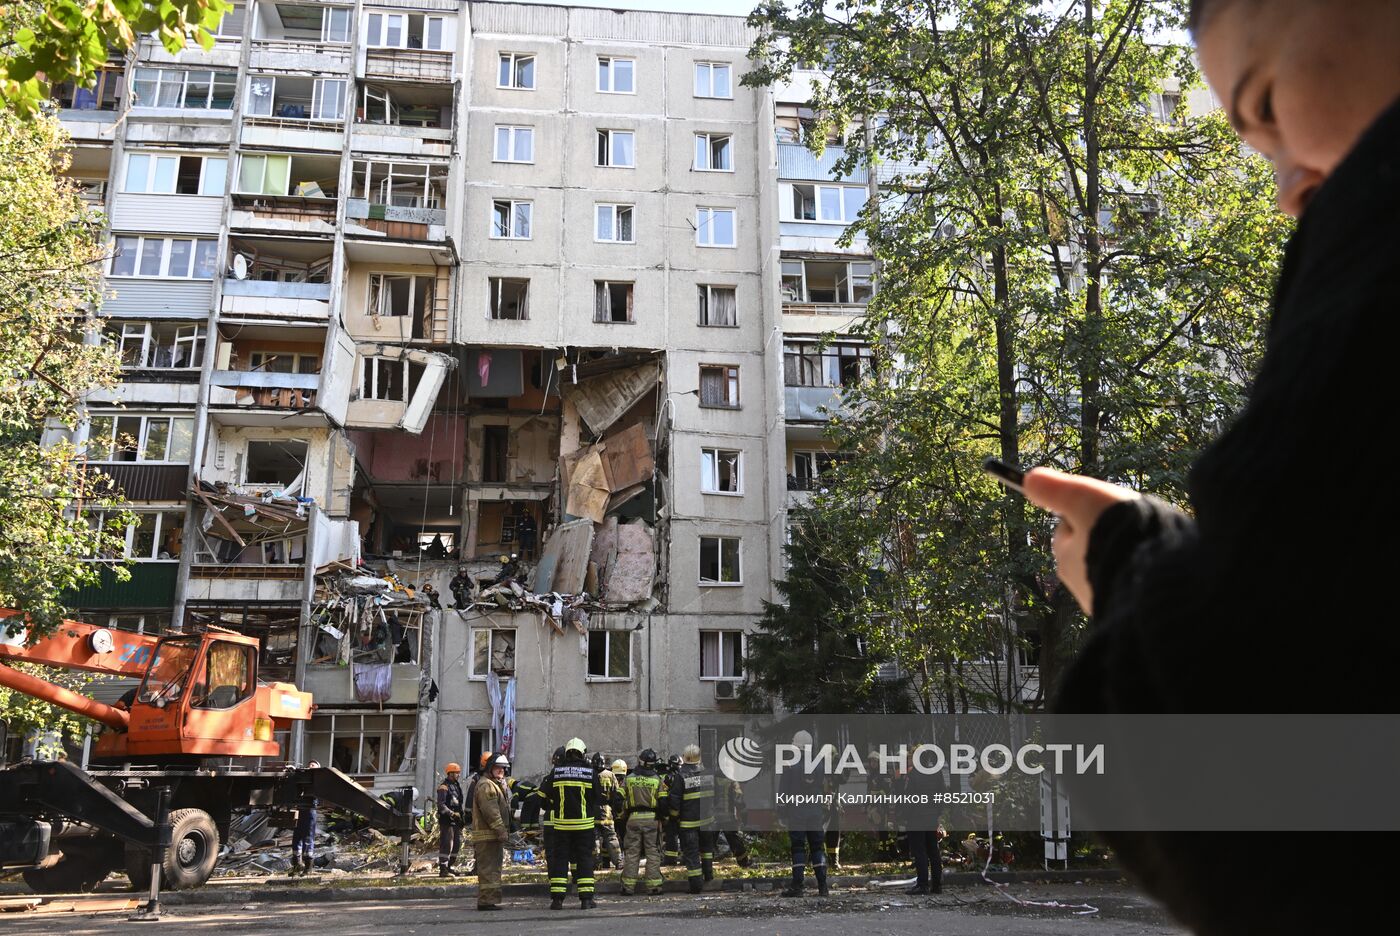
(51, 255)
(53, 41)
(1068, 274)
(807, 652)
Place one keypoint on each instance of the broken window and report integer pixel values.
(275, 627)
(827, 281)
(400, 184)
(155, 535)
(810, 364)
(158, 344)
(718, 306)
(719, 560)
(713, 152)
(721, 654)
(139, 438)
(609, 654)
(384, 379)
(508, 298)
(719, 471)
(360, 744)
(612, 302)
(284, 362)
(279, 463)
(493, 651)
(511, 219)
(400, 295)
(719, 386)
(808, 469)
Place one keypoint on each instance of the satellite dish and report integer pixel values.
(240, 266)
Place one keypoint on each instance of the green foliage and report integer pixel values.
(51, 255)
(53, 41)
(25, 715)
(808, 652)
(1066, 277)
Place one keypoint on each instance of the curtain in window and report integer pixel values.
(709, 654)
(712, 387)
(723, 307)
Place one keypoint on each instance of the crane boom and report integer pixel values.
(79, 646)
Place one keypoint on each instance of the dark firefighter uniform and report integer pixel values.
(693, 801)
(574, 793)
(451, 818)
(670, 824)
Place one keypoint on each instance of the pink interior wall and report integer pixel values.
(394, 456)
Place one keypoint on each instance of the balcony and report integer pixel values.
(397, 222)
(283, 214)
(284, 278)
(261, 390)
(409, 64)
(297, 112)
(151, 585)
(404, 120)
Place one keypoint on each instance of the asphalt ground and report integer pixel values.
(1085, 909)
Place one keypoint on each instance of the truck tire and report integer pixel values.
(190, 859)
(79, 871)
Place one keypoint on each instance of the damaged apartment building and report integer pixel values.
(471, 360)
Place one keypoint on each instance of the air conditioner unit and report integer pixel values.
(726, 690)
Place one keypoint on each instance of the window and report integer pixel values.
(714, 227)
(827, 281)
(517, 70)
(402, 185)
(157, 344)
(808, 469)
(231, 26)
(509, 298)
(164, 257)
(328, 99)
(284, 362)
(188, 90)
(609, 654)
(721, 655)
(810, 364)
(121, 438)
(148, 173)
(404, 31)
(225, 679)
(493, 651)
(712, 80)
(836, 204)
(720, 471)
(511, 219)
(384, 379)
(612, 302)
(719, 386)
(360, 744)
(616, 149)
(335, 24)
(718, 306)
(400, 295)
(264, 175)
(156, 535)
(615, 75)
(614, 224)
(515, 144)
(713, 152)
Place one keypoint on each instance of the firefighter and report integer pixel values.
(607, 828)
(619, 772)
(575, 793)
(670, 823)
(490, 828)
(451, 811)
(693, 802)
(801, 793)
(304, 836)
(641, 793)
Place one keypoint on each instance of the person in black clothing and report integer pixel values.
(922, 825)
(451, 811)
(801, 811)
(1278, 545)
(461, 588)
(574, 793)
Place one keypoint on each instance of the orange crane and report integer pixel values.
(197, 729)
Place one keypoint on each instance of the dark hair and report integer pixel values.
(1201, 11)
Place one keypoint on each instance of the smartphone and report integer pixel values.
(1013, 478)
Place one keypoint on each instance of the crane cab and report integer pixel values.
(200, 696)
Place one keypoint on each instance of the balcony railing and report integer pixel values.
(269, 289)
(397, 221)
(409, 64)
(264, 390)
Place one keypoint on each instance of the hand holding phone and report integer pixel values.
(1011, 477)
